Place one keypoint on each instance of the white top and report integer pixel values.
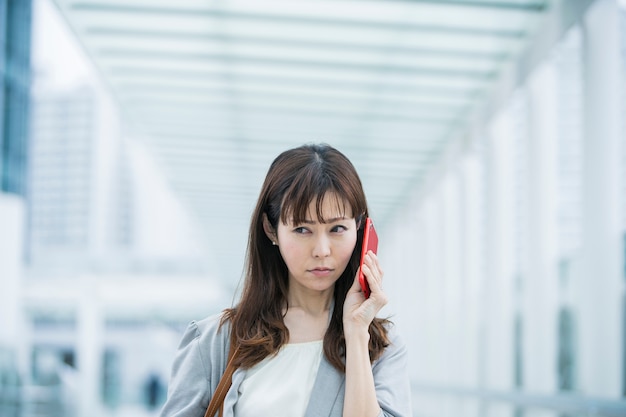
(280, 386)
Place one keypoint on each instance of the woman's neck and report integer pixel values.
(307, 318)
(314, 304)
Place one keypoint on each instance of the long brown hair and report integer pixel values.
(296, 178)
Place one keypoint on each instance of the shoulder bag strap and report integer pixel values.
(217, 400)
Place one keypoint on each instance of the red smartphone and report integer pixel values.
(370, 243)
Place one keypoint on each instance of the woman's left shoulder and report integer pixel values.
(391, 375)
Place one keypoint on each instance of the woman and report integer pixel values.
(309, 341)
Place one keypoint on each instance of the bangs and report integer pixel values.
(313, 185)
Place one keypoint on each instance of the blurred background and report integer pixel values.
(491, 140)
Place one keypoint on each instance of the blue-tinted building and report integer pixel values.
(15, 36)
(15, 76)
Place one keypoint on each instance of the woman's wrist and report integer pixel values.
(356, 334)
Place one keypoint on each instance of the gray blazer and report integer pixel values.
(201, 360)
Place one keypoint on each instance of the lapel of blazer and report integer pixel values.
(326, 389)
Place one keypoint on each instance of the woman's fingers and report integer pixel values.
(372, 271)
(359, 311)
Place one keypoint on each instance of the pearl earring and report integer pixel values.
(273, 243)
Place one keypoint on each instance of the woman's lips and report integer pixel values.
(321, 272)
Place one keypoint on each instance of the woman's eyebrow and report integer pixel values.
(333, 220)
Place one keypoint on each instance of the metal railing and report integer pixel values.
(562, 403)
(32, 401)
(42, 401)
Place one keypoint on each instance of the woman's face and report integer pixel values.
(316, 253)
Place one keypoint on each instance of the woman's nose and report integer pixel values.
(322, 247)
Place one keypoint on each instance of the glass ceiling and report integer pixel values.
(217, 89)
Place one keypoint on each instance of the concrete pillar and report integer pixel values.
(498, 289)
(540, 282)
(471, 267)
(432, 292)
(398, 256)
(451, 276)
(417, 265)
(11, 259)
(90, 328)
(601, 286)
(433, 301)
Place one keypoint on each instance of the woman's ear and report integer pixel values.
(269, 230)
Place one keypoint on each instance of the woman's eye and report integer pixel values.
(301, 230)
(339, 228)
